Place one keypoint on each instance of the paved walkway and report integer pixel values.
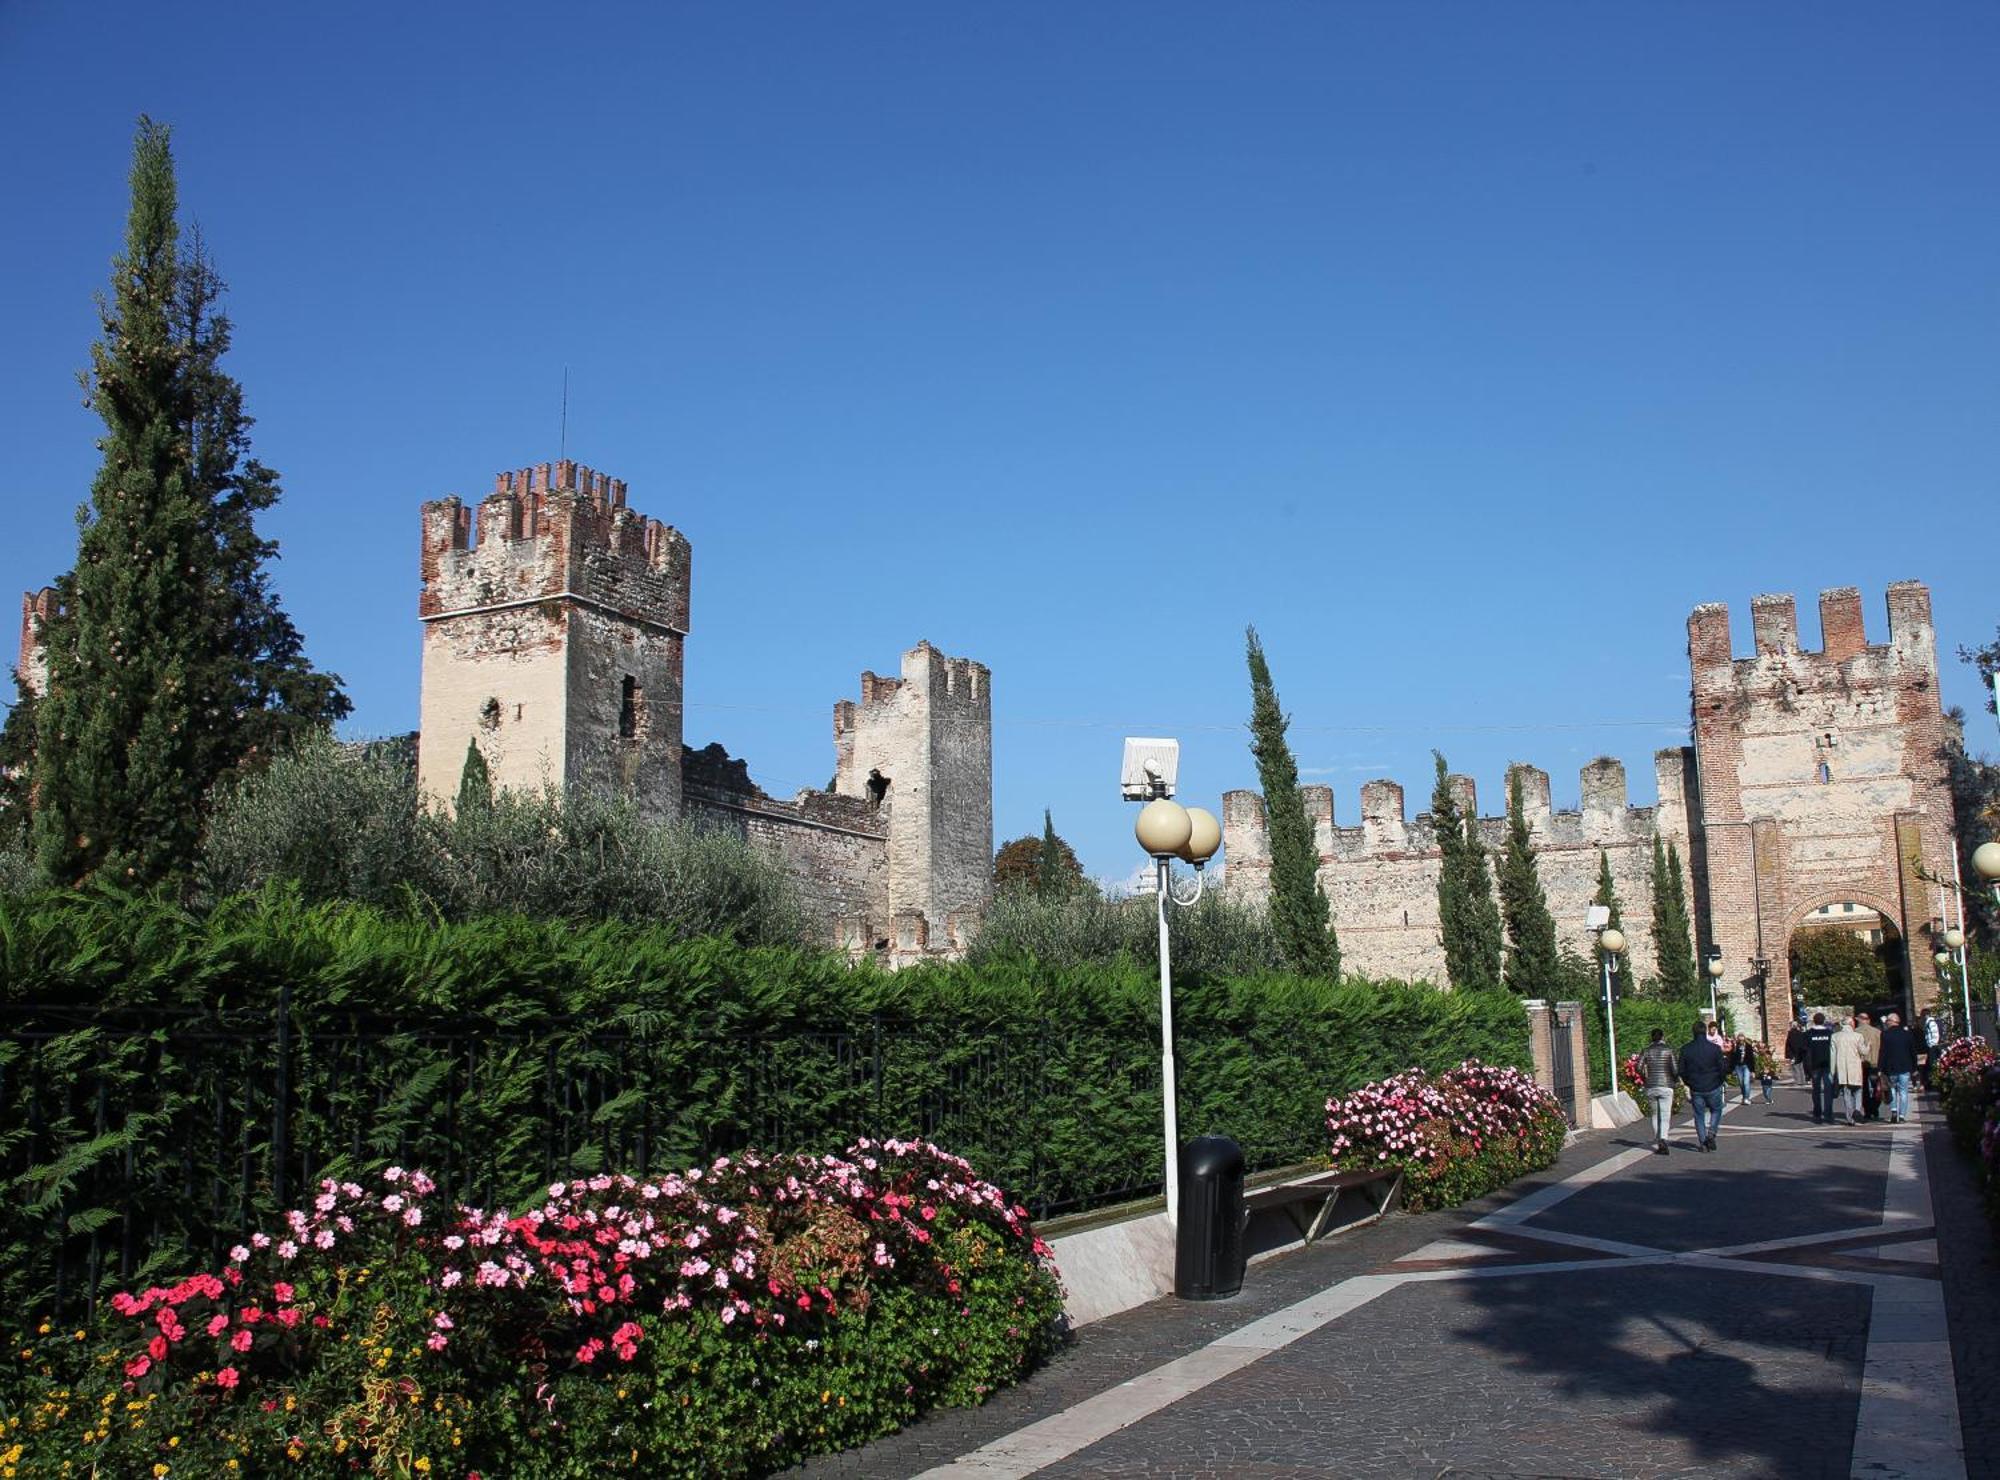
(1774, 1308)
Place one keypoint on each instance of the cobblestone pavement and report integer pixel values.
(1773, 1308)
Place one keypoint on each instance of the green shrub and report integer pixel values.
(344, 823)
(1217, 936)
(735, 1319)
(501, 1052)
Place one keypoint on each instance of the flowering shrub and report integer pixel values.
(735, 1317)
(1964, 1080)
(1453, 1135)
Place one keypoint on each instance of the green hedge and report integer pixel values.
(1636, 1019)
(139, 1063)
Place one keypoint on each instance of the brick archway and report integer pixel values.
(1892, 921)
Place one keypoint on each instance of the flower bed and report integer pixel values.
(733, 1319)
(1962, 1081)
(1455, 1135)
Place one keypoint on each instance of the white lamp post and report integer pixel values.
(1985, 863)
(1167, 831)
(1610, 941)
(1714, 976)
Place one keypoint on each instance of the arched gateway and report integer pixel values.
(1822, 781)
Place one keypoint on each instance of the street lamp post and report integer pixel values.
(1714, 976)
(1167, 831)
(1954, 944)
(1762, 966)
(1610, 941)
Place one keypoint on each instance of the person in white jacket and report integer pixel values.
(1848, 1068)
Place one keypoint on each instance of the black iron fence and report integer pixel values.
(1562, 1057)
(134, 1145)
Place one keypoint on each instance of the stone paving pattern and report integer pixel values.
(1603, 1369)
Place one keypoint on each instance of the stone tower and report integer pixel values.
(1822, 782)
(554, 618)
(31, 673)
(920, 748)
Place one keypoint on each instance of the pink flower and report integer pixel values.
(138, 1366)
(241, 1341)
(436, 1341)
(217, 1324)
(226, 1378)
(283, 1291)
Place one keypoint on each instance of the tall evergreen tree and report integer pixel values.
(1468, 916)
(1300, 916)
(1052, 870)
(171, 661)
(1532, 966)
(1673, 943)
(1607, 894)
(475, 780)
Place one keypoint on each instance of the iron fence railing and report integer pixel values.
(130, 1141)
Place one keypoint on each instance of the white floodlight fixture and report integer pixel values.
(1150, 770)
(1597, 917)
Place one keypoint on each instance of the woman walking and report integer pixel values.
(1848, 1068)
(1742, 1064)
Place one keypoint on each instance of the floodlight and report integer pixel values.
(1597, 917)
(1150, 770)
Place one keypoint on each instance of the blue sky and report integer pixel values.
(1462, 348)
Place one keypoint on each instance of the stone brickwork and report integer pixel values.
(1381, 877)
(32, 669)
(1815, 778)
(555, 619)
(1823, 781)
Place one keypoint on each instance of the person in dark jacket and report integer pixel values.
(1897, 1059)
(1819, 1067)
(1703, 1069)
(1742, 1063)
(1795, 1052)
(1659, 1072)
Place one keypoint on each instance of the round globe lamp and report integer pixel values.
(1164, 828)
(1943, 958)
(1986, 861)
(1612, 940)
(1204, 837)
(1715, 966)
(1954, 938)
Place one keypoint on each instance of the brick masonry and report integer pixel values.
(555, 621)
(1814, 778)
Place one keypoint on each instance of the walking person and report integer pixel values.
(1848, 1069)
(1898, 1062)
(1871, 1054)
(1819, 1067)
(1933, 1045)
(1742, 1063)
(1703, 1069)
(1659, 1071)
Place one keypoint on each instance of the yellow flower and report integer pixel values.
(174, 1442)
(423, 1464)
(43, 1329)
(159, 1470)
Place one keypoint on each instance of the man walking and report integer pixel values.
(1795, 1051)
(1871, 1057)
(1819, 1067)
(1703, 1068)
(1849, 1068)
(1898, 1061)
(1659, 1072)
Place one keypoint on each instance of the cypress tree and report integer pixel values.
(1607, 894)
(1300, 916)
(475, 781)
(171, 661)
(1532, 967)
(1052, 871)
(1468, 916)
(1673, 944)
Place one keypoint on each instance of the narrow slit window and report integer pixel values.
(631, 708)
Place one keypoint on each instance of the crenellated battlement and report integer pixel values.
(1381, 875)
(1845, 655)
(553, 530)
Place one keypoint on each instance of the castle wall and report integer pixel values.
(929, 736)
(1381, 876)
(31, 672)
(835, 848)
(1823, 778)
(554, 618)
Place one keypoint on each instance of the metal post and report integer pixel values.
(1167, 1092)
(1958, 900)
(1610, 1022)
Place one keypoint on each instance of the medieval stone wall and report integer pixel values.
(32, 669)
(1381, 876)
(1823, 778)
(554, 618)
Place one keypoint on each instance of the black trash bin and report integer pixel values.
(1208, 1248)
